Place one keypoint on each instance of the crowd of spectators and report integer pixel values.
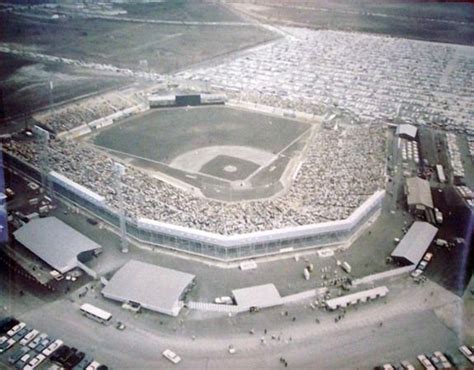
(84, 112)
(343, 167)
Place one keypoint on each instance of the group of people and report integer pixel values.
(342, 168)
(77, 114)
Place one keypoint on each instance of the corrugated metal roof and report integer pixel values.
(415, 242)
(155, 288)
(54, 242)
(419, 192)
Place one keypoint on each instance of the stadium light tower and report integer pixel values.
(119, 171)
(43, 138)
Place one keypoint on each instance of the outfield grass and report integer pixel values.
(162, 135)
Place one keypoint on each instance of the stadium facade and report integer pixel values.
(225, 248)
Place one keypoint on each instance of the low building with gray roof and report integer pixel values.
(259, 296)
(152, 287)
(56, 243)
(415, 242)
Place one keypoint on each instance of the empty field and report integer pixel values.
(432, 21)
(165, 47)
(24, 85)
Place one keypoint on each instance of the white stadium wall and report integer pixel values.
(212, 245)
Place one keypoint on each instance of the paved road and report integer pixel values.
(411, 325)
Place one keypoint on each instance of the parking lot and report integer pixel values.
(24, 347)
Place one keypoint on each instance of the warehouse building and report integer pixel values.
(415, 243)
(260, 296)
(57, 244)
(418, 192)
(149, 286)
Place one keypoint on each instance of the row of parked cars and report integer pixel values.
(422, 265)
(436, 360)
(34, 348)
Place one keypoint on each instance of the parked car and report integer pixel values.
(428, 256)
(407, 366)
(84, 363)
(18, 336)
(7, 323)
(170, 355)
(436, 362)
(37, 340)
(74, 360)
(21, 363)
(468, 353)
(35, 362)
(16, 329)
(52, 347)
(425, 362)
(61, 354)
(29, 337)
(43, 345)
(444, 361)
(422, 265)
(224, 300)
(16, 355)
(6, 343)
(94, 365)
(416, 273)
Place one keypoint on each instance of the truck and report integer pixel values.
(346, 267)
(306, 273)
(438, 216)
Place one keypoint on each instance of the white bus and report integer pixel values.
(96, 313)
(440, 172)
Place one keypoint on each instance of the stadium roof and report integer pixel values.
(419, 192)
(406, 130)
(415, 242)
(54, 242)
(153, 287)
(260, 296)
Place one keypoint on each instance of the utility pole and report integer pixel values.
(119, 171)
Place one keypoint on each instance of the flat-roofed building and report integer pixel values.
(415, 243)
(407, 131)
(259, 296)
(56, 243)
(152, 287)
(355, 298)
(418, 192)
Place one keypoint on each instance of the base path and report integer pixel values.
(193, 160)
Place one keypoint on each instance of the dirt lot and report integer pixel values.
(165, 47)
(433, 21)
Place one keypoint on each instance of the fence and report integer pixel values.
(211, 245)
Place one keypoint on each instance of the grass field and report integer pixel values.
(432, 21)
(181, 10)
(166, 48)
(207, 146)
(24, 84)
